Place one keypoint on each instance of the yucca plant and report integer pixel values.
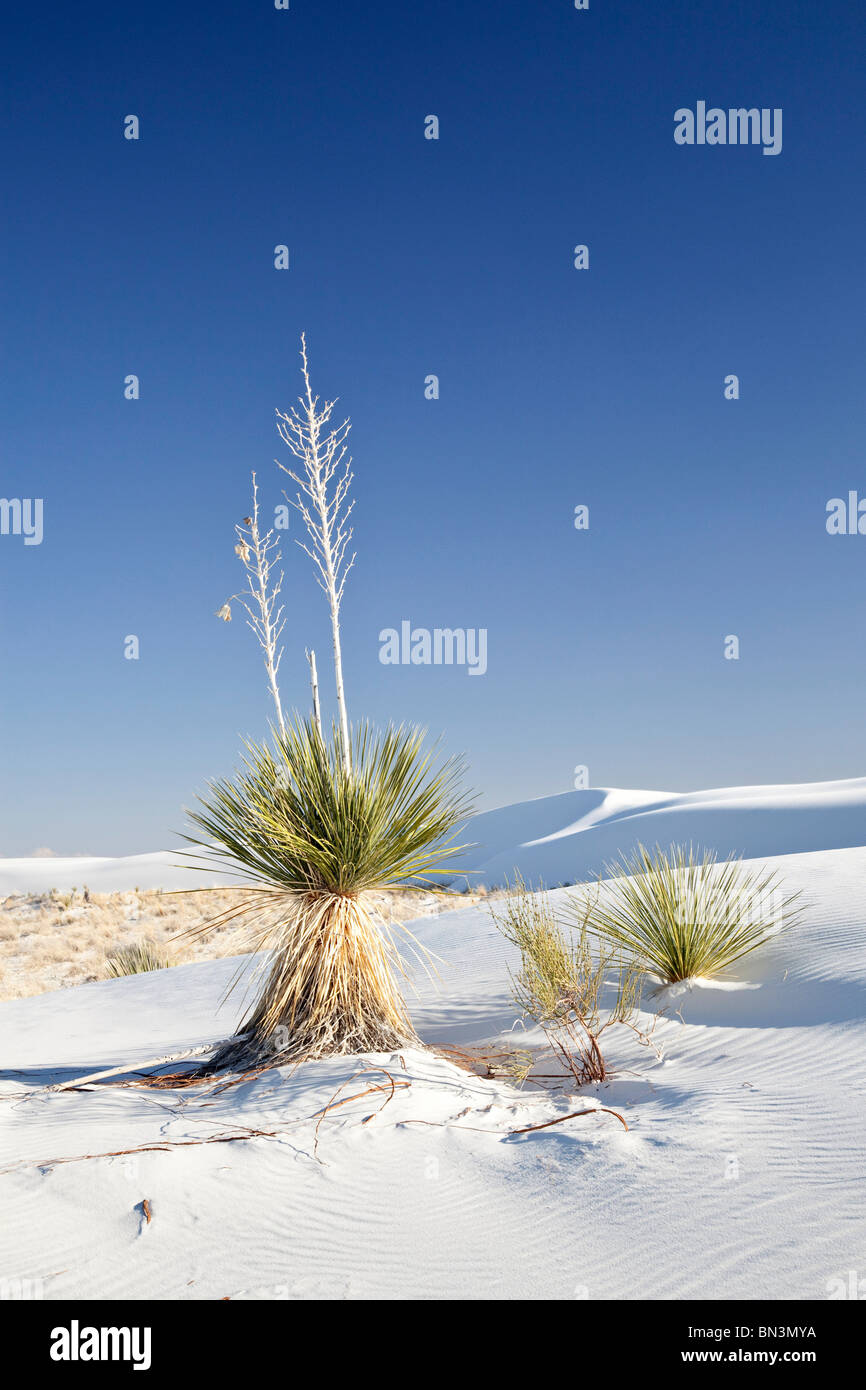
(137, 959)
(315, 834)
(683, 915)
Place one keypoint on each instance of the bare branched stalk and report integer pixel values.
(314, 684)
(324, 478)
(259, 556)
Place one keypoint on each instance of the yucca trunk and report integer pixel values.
(329, 987)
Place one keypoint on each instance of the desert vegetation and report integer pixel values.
(317, 838)
(573, 992)
(55, 940)
(681, 914)
(137, 958)
(670, 915)
(319, 823)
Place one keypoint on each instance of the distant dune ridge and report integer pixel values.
(558, 839)
(553, 839)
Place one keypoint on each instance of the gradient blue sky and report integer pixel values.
(557, 387)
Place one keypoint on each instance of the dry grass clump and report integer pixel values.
(138, 958)
(330, 985)
(561, 981)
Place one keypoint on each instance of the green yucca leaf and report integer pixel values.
(294, 819)
(682, 914)
(314, 841)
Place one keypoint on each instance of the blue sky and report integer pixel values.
(558, 387)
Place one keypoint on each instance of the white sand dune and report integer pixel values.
(554, 839)
(741, 1174)
(561, 839)
(161, 869)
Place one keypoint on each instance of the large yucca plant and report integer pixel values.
(682, 915)
(315, 839)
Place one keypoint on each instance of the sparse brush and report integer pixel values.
(560, 983)
(137, 959)
(315, 840)
(684, 915)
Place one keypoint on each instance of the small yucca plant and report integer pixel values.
(316, 834)
(137, 959)
(683, 915)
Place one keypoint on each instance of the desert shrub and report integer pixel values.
(316, 834)
(137, 959)
(561, 980)
(682, 914)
